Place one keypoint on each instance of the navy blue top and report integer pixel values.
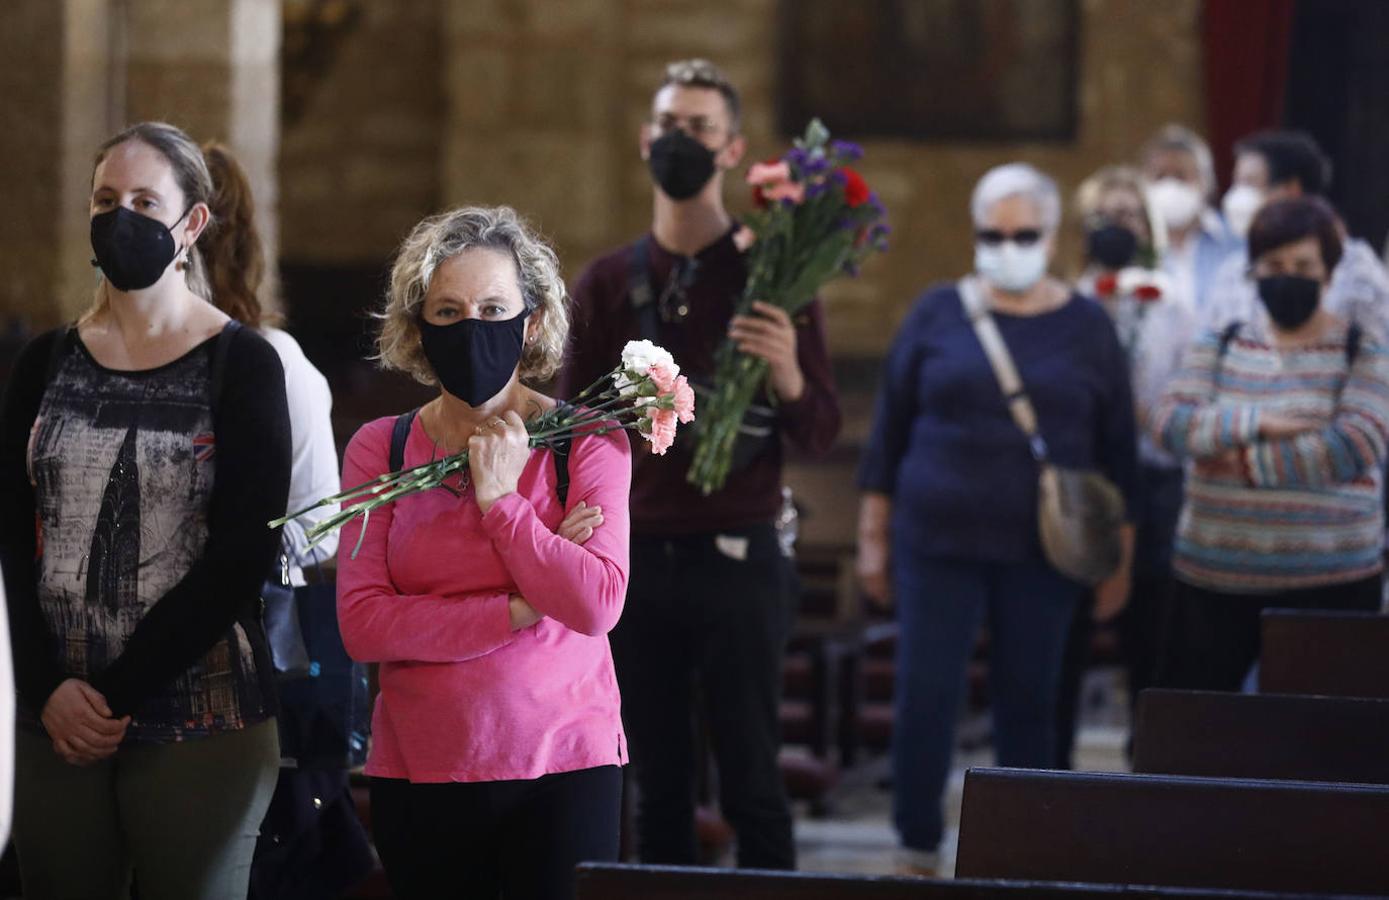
(944, 447)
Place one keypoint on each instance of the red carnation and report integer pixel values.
(1106, 284)
(856, 191)
(1147, 292)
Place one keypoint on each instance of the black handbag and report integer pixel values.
(325, 714)
(288, 652)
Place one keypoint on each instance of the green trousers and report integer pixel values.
(183, 817)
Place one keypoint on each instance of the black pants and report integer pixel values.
(1215, 637)
(512, 839)
(707, 612)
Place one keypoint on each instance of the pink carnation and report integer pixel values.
(786, 190)
(662, 429)
(769, 173)
(661, 377)
(684, 400)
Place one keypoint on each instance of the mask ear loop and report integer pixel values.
(182, 264)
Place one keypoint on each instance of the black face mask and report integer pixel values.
(680, 165)
(1112, 246)
(132, 250)
(1290, 300)
(474, 359)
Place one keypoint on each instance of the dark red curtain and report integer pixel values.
(1246, 61)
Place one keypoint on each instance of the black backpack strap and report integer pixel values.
(639, 291)
(1354, 338)
(219, 360)
(1227, 337)
(400, 433)
(559, 449)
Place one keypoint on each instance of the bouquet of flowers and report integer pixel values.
(645, 393)
(816, 219)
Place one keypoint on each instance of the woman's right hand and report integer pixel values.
(80, 723)
(523, 615)
(1275, 426)
(874, 514)
(871, 567)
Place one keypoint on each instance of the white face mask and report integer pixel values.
(1176, 202)
(1011, 267)
(1240, 205)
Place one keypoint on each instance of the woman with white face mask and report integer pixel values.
(953, 478)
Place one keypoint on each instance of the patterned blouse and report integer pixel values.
(151, 543)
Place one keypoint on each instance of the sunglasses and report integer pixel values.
(1023, 237)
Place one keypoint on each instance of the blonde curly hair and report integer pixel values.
(442, 237)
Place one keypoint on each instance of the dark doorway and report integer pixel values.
(1338, 90)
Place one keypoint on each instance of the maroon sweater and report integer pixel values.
(663, 502)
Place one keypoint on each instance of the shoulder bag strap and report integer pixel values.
(639, 291)
(1014, 393)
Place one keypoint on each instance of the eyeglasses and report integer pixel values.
(696, 126)
(1023, 237)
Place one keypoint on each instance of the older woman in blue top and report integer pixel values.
(949, 476)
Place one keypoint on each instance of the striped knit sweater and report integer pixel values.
(1267, 516)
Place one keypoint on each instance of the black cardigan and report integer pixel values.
(251, 422)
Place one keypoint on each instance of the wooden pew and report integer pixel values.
(1272, 736)
(1334, 654)
(1023, 824)
(613, 881)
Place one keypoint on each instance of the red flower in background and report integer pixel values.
(1148, 292)
(856, 191)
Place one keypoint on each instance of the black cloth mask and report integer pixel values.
(680, 165)
(132, 250)
(474, 358)
(1112, 246)
(1290, 299)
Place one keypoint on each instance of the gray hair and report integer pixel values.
(1183, 139)
(1017, 180)
(440, 238)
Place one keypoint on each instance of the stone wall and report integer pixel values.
(73, 72)
(537, 104)
(360, 163)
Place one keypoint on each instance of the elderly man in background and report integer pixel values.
(1181, 176)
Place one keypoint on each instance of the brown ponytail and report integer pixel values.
(233, 256)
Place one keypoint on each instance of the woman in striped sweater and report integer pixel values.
(1285, 422)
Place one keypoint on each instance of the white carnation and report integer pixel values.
(639, 356)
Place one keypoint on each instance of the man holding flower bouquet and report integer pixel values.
(708, 599)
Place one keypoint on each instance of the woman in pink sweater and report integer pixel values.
(497, 735)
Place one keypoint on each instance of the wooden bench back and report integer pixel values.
(1030, 825)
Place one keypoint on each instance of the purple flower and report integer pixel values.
(846, 151)
(807, 164)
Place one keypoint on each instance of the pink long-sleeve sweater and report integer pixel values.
(463, 697)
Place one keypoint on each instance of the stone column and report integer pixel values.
(55, 107)
(533, 117)
(212, 67)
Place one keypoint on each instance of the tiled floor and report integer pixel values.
(857, 835)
